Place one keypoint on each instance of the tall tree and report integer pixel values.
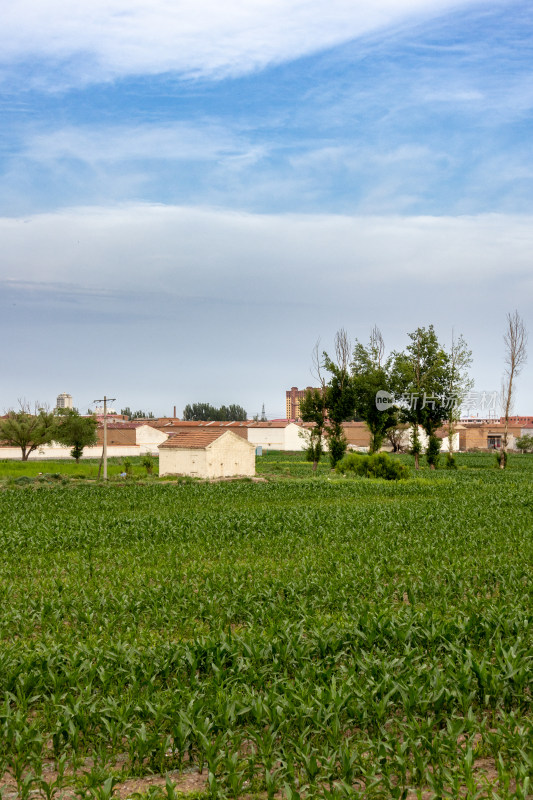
(313, 409)
(371, 379)
(515, 340)
(339, 396)
(458, 383)
(74, 431)
(420, 376)
(26, 430)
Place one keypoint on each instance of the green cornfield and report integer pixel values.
(296, 637)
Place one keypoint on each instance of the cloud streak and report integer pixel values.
(108, 39)
(216, 254)
(178, 141)
(132, 290)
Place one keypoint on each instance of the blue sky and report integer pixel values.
(192, 194)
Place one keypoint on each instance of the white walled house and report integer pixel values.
(282, 435)
(207, 454)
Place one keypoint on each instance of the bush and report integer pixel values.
(498, 456)
(148, 464)
(525, 443)
(450, 461)
(378, 465)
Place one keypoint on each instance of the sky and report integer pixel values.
(194, 193)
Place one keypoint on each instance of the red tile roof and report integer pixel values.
(275, 423)
(188, 423)
(119, 426)
(197, 439)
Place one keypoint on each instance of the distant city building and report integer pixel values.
(293, 398)
(64, 400)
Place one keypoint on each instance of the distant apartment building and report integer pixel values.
(64, 400)
(293, 398)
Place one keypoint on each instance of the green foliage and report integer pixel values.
(451, 461)
(87, 469)
(291, 637)
(416, 443)
(205, 412)
(148, 464)
(127, 412)
(499, 457)
(433, 451)
(525, 443)
(372, 373)
(421, 372)
(339, 400)
(458, 381)
(75, 431)
(313, 409)
(27, 431)
(421, 375)
(375, 465)
(337, 444)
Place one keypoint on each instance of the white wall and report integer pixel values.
(268, 438)
(229, 455)
(424, 439)
(58, 452)
(285, 437)
(182, 461)
(293, 440)
(149, 439)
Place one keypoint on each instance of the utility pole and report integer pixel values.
(104, 449)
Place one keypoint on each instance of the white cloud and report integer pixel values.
(223, 255)
(167, 285)
(176, 142)
(114, 38)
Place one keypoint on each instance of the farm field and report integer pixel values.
(298, 637)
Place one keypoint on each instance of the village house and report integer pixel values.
(212, 453)
(488, 435)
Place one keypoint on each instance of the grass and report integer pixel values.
(307, 636)
(86, 469)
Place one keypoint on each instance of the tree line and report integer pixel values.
(205, 412)
(132, 415)
(421, 387)
(29, 431)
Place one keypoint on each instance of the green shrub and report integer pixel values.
(148, 464)
(450, 461)
(525, 443)
(498, 457)
(23, 480)
(433, 451)
(377, 465)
